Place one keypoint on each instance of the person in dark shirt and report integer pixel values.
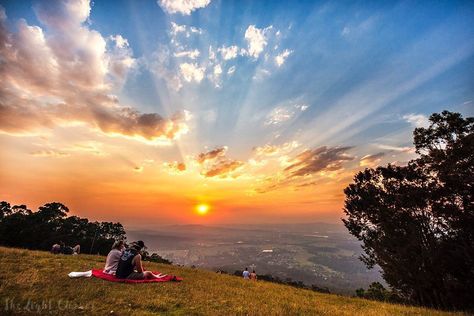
(130, 264)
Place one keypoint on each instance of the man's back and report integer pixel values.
(125, 265)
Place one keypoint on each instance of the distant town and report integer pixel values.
(317, 253)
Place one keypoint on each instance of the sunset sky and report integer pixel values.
(138, 111)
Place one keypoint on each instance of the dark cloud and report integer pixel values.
(223, 168)
(129, 122)
(300, 173)
(215, 163)
(320, 159)
(210, 155)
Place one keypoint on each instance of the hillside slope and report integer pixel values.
(35, 281)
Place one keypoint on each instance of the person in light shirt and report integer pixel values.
(246, 274)
(111, 263)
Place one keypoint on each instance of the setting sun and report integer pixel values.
(202, 209)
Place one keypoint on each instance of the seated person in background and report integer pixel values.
(56, 249)
(246, 274)
(76, 249)
(130, 264)
(65, 250)
(113, 257)
(253, 276)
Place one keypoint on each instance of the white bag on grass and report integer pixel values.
(85, 274)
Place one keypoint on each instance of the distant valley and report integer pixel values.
(315, 253)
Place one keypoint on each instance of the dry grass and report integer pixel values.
(33, 282)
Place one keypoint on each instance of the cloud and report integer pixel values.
(146, 126)
(191, 72)
(404, 149)
(120, 42)
(228, 53)
(211, 155)
(185, 7)
(215, 77)
(194, 29)
(120, 57)
(261, 74)
(66, 14)
(281, 58)
(231, 70)
(256, 40)
(309, 167)
(275, 150)
(371, 160)
(301, 107)
(138, 169)
(222, 168)
(319, 159)
(173, 71)
(279, 115)
(176, 74)
(217, 70)
(345, 31)
(192, 54)
(20, 115)
(417, 120)
(91, 147)
(285, 112)
(211, 53)
(361, 27)
(87, 147)
(175, 167)
(50, 153)
(177, 29)
(162, 66)
(214, 163)
(66, 77)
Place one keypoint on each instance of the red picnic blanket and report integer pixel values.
(110, 277)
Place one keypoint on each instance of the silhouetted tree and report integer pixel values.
(417, 221)
(378, 292)
(13, 225)
(5, 209)
(20, 227)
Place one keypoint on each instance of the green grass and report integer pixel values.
(33, 282)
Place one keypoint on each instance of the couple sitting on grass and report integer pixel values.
(127, 263)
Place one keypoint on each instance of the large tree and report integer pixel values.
(417, 221)
(20, 227)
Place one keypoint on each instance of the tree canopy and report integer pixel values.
(20, 227)
(417, 221)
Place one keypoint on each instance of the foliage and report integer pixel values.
(417, 221)
(20, 227)
(154, 257)
(378, 292)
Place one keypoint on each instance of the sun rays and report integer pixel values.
(256, 108)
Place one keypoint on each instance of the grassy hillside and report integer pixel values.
(34, 281)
